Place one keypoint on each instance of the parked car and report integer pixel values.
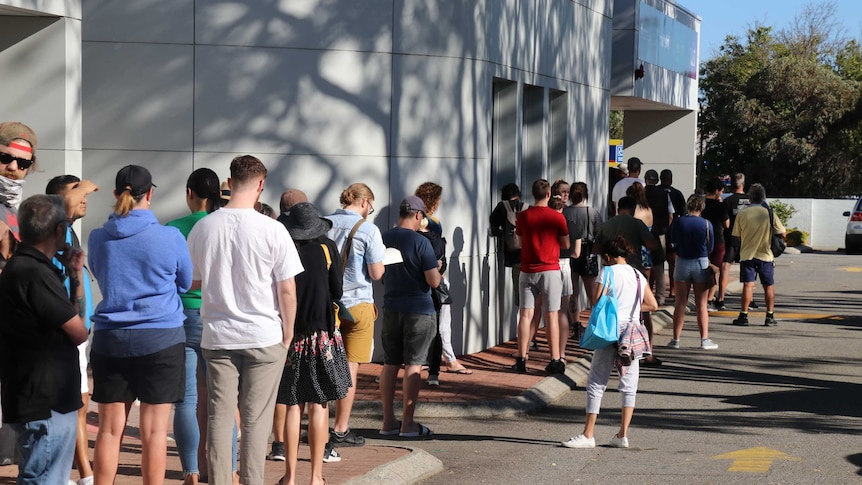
(853, 235)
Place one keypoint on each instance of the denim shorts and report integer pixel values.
(691, 270)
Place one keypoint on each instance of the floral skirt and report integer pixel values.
(316, 370)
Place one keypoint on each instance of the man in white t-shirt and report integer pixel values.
(245, 264)
(619, 191)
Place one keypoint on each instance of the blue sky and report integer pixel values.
(723, 17)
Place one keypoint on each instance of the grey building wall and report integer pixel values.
(664, 140)
(330, 92)
(40, 58)
(661, 107)
(659, 84)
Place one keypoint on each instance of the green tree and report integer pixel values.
(786, 108)
(616, 131)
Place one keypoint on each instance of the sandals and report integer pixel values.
(391, 432)
(463, 371)
(424, 432)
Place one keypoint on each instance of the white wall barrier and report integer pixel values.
(822, 219)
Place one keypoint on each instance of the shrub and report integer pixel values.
(782, 211)
(795, 237)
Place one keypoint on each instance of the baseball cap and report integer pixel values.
(14, 130)
(134, 178)
(291, 198)
(411, 203)
(651, 176)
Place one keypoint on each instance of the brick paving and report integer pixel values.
(491, 380)
(355, 461)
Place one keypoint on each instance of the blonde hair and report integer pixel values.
(355, 192)
(125, 202)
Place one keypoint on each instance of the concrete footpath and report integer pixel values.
(491, 390)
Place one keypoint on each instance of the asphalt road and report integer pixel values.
(778, 405)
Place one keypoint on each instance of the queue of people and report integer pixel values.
(227, 314)
(551, 257)
(265, 318)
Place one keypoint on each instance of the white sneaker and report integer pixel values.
(707, 344)
(330, 455)
(674, 343)
(617, 442)
(580, 441)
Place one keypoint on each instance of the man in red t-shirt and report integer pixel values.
(543, 232)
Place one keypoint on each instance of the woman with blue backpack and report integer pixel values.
(629, 294)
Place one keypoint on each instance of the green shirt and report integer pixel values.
(192, 299)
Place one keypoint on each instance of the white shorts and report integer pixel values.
(566, 272)
(82, 361)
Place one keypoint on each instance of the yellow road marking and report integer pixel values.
(852, 269)
(753, 460)
(786, 316)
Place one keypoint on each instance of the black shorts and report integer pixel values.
(157, 378)
(731, 250)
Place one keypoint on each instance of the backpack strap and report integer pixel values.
(348, 245)
(638, 296)
(326, 253)
(589, 224)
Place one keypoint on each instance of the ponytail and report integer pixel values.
(125, 202)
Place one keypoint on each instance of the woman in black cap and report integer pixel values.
(316, 371)
(138, 338)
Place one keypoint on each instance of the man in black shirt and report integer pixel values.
(678, 202)
(502, 221)
(658, 198)
(40, 329)
(734, 203)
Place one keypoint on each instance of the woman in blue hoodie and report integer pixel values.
(138, 339)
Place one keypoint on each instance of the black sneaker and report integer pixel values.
(534, 345)
(348, 438)
(330, 455)
(741, 321)
(277, 453)
(770, 320)
(520, 365)
(556, 366)
(753, 304)
(719, 305)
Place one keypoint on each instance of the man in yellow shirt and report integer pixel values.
(755, 231)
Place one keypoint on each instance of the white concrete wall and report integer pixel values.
(664, 140)
(329, 92)
(822, 219)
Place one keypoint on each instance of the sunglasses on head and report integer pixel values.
(23, 163)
